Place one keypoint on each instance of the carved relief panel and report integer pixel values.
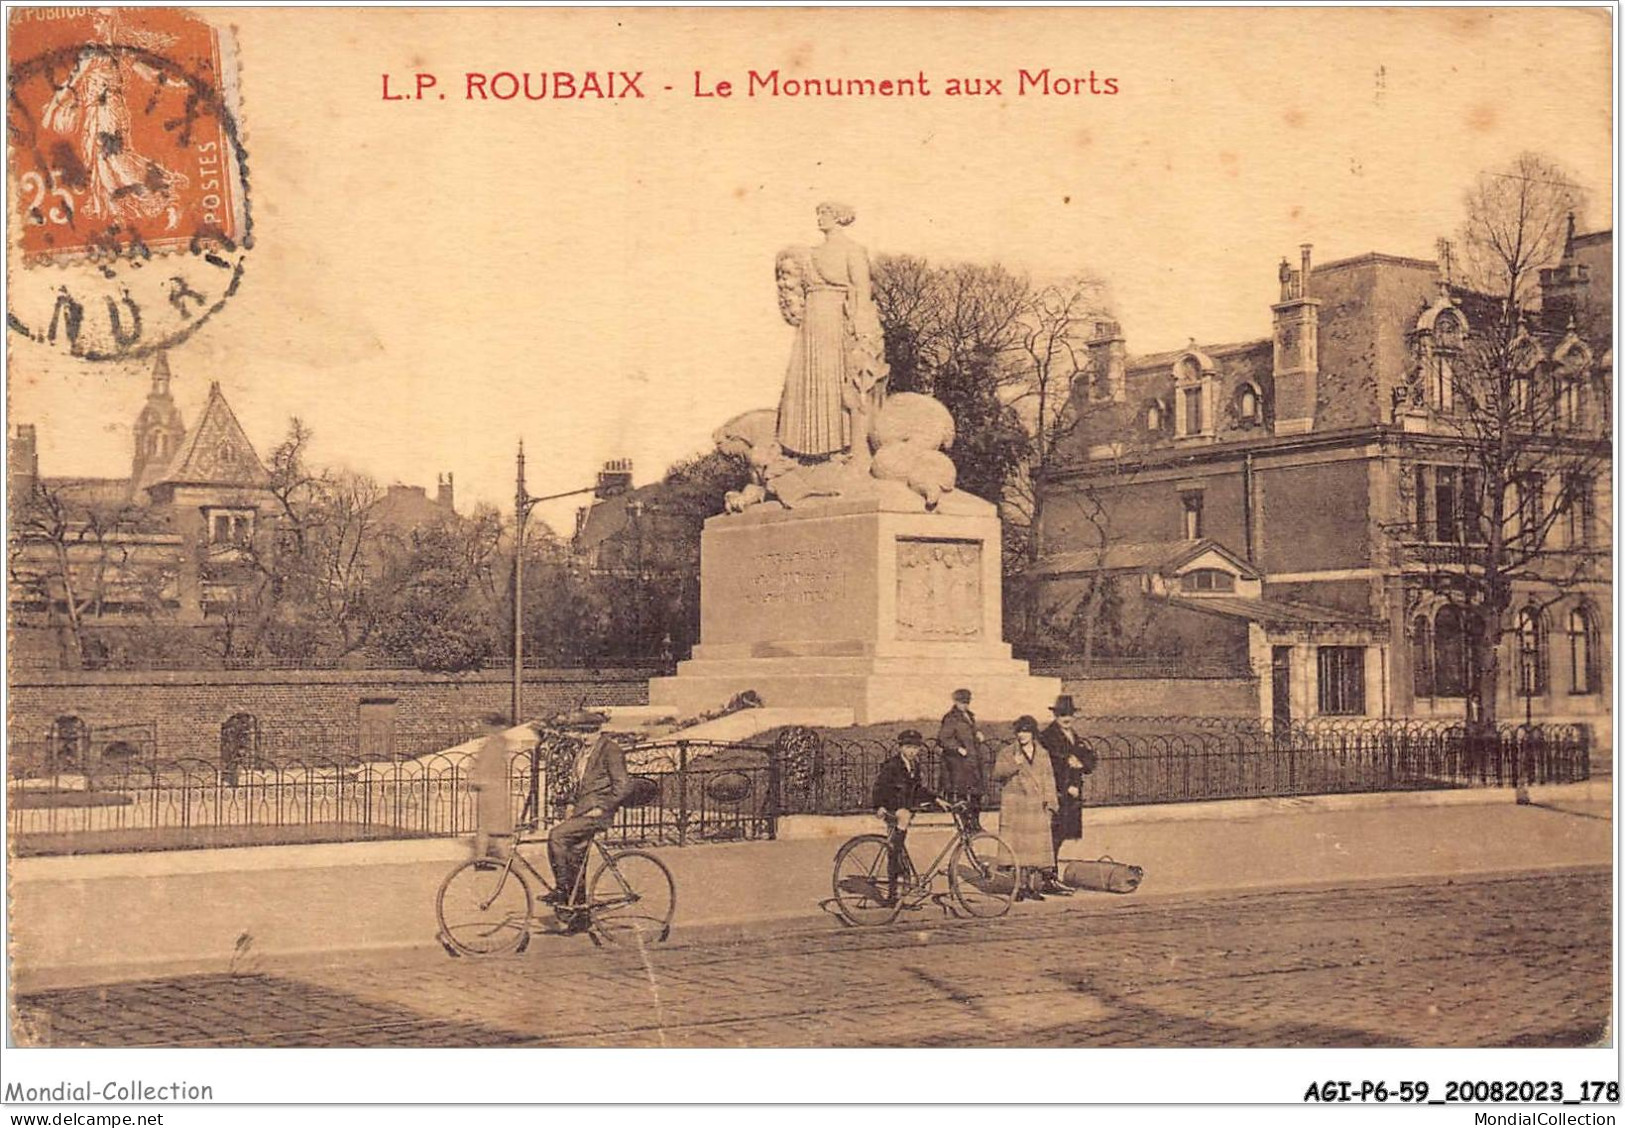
(939, 589)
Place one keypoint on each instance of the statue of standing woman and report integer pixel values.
(837, 375)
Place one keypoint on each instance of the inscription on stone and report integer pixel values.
(796, 577)
(939, 588)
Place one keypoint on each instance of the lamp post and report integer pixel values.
(523, 503)
(634, 510)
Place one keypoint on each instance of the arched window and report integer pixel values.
(1153, 417)
(1447, 331)
(1454, 648)
(1447, 341)
(1442, 383)
(1583, 672)
(1249, 405)
(1422, 656)
(1531, 653)
(1570, 393)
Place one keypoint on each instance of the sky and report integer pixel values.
(434, 280)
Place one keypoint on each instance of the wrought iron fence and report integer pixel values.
(1195, 758)
(707, 791)
(1196, 666)
(702, 792)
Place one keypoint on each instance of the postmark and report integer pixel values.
(129, 183)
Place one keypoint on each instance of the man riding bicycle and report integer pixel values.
(899, 792)
(598, 786)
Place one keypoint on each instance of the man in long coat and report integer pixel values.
(963, 750)
(1071, 758)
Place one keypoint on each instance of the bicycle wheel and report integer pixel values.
(484, 908)
(632, 899)
(983, 875)
(860, 882)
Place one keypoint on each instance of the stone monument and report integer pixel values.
(849, 572)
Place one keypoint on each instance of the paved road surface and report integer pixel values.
(1510, 960)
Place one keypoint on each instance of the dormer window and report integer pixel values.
(1570, 400)
(1443, 332)
(230, 528)
(1207, 580)
(1447, 331)
(1193, 396)
(1442, 383)
(1191, 400)
(1155, 417)
(1249, 405)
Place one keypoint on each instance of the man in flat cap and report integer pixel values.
(899, 792)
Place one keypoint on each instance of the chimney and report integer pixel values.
(1108, 362)
(1564, 287)
(443, 492)
(1297, 348)
(23, 460)
(614, 479)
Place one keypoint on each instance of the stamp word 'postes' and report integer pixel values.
(131, 200)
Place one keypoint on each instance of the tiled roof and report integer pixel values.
(1217, 352)
(216, 451)
(1274, 612)
(1151, 556)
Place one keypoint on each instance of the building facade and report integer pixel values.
(1325, 483)
(196, 520)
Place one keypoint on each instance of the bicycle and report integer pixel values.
(487, 906)
(982, 875)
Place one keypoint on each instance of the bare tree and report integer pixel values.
(75, 558)
(1003, 353)
(1516, 222)
(1520, 430)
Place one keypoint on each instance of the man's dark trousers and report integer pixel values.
(567, 848)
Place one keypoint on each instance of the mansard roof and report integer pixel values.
(216, 452)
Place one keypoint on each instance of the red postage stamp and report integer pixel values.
(122, 133)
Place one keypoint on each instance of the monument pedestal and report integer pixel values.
(871, 603)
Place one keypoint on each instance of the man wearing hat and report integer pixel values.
(899, 792)
(963, 750)
(1072, 759)
(598, 785)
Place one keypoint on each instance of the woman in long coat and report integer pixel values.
(1026, 803)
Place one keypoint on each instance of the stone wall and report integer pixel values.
(321, 709)
(1165, 697)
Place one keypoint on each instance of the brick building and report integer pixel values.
(1287, 505)
(168, 543)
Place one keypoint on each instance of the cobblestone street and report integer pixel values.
(1496, 961)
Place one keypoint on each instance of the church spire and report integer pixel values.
(158, 431)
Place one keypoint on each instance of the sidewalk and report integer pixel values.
(215, 911)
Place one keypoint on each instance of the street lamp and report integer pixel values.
(634, 510)
(523, 503)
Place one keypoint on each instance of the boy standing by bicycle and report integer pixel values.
(899, 792)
